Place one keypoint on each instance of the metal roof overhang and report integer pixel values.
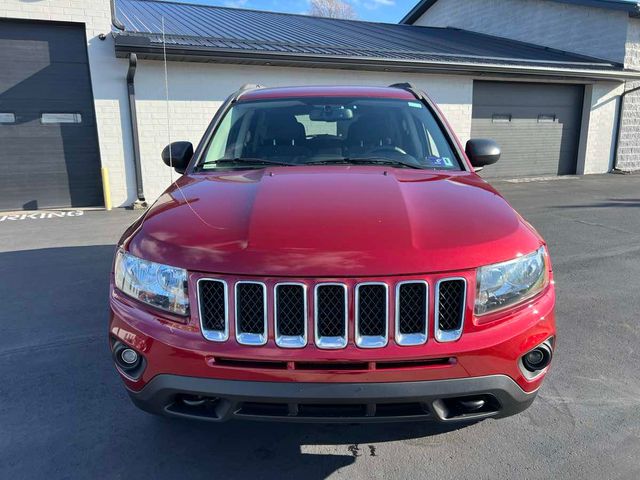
(144, 49)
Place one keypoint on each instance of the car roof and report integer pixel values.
(325, 91)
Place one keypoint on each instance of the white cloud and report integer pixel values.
(235, 3)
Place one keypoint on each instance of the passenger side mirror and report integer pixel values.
(178, 155)
(482, 152)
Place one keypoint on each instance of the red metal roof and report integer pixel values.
(326, 91)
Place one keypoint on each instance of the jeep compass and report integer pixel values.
(330, 254)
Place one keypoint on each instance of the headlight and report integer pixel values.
(153, 283)
(504, 284)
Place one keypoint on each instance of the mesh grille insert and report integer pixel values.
(331, 310)
(372, 310)
(412, 308)
(212, 305)
(250, 307)
(450, 304)
(291, 307)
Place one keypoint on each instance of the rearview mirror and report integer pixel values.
(482, 152)
(178, 155)
(330, 113)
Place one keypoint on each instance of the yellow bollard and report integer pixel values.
(106, 191)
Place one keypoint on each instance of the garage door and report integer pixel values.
(48, 142)
(537, 126)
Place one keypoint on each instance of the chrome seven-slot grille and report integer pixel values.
(290, 303)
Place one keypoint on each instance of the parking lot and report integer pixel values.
(65, 414)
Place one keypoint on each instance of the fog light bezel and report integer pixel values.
(529, 370)
(132, 371)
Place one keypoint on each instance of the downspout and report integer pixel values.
(133, 116)
(131, 90)
(619, 125)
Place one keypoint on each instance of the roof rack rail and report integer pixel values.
(246, 88)
(250, 86)
(411, 88)
(403, 86)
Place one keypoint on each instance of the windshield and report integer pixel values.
(315, 130)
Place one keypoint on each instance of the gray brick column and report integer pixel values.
(629, 143)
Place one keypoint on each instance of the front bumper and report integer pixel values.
(181, 350)
(353, 385)
(440, 400)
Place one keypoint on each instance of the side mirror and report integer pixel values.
(482, 152)
(178, 155)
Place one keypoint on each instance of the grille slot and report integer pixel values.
(450, 304)
(251, 313)
(372, 315)
(331, 315)
(291, 315)
(314, 410)
(412, 312)
(213, 309)
(340, 411)
(248, 363)
(331, 366)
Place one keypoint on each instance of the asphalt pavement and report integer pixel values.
(64, 412)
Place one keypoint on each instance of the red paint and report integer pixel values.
(346, 223)
(323, 221)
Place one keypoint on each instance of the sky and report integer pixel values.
(390, 11)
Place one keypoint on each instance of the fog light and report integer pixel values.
(129, 356)
(129, 361)
(538, 358)
(535, 357)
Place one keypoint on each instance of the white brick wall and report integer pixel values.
(629, 146)
(602, 102)
(107, 77)
(595, 32)
(197, 90)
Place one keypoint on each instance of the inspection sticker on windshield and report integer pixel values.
(439, 161)
(415, 104)
(435, 160)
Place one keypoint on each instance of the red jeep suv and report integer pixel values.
(330, 254)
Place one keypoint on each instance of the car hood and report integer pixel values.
(330, 221)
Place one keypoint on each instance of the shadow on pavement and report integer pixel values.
(272, 450)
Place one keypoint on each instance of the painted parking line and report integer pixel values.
(40, 215)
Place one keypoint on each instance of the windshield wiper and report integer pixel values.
(241, 160)
(371, 160)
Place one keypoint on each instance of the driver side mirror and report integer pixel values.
(178, 155)
(482, 152)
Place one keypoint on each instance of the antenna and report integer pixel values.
(166, 92)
